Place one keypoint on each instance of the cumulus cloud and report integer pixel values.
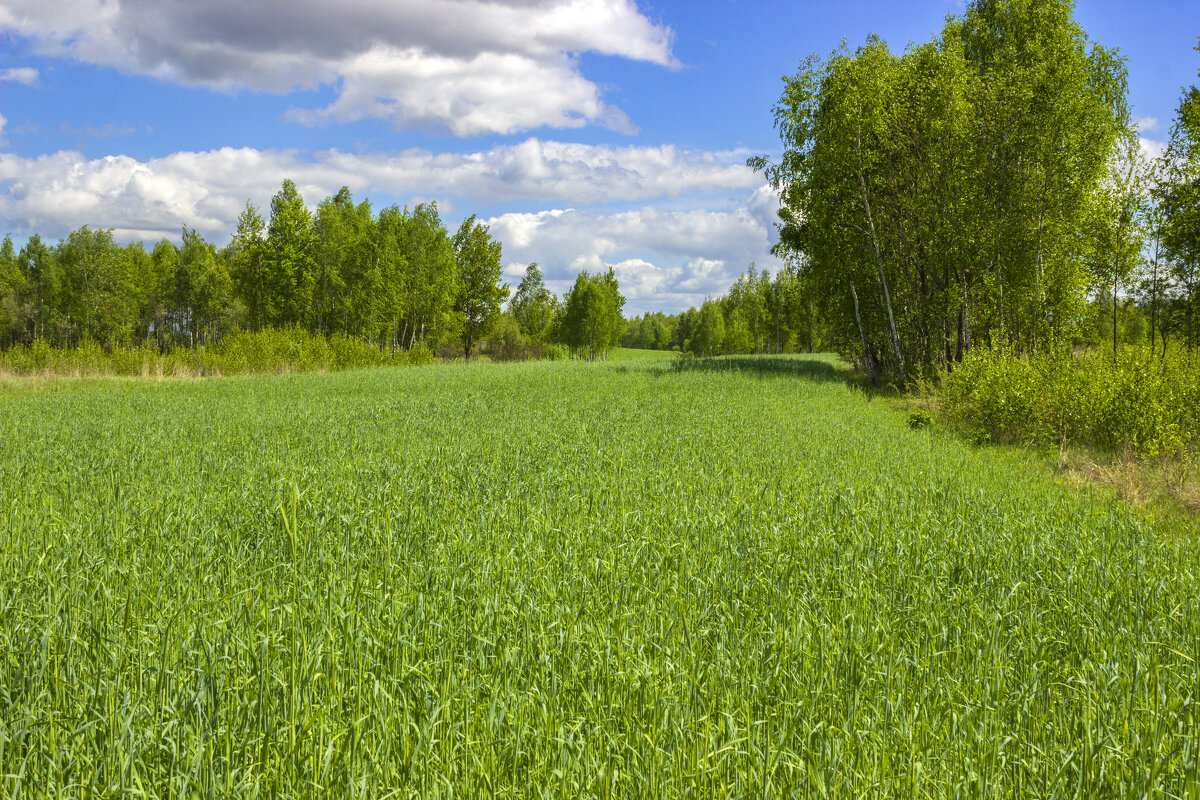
(25, 75)
(52, 193)
(489, 93)
(664, 259)
(470, 66)
(1151, 148)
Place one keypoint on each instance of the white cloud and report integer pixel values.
(206, 190)
(3, 122)
(1151, 148)
(490, 93)
(664, 259)
(25, 75)
(472, 66)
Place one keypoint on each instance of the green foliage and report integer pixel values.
(480, 293)
(425, 291)
(290, 269)
(92, 289)
(533, 306)
(392, 278)
(591, 317)
(920, 419)
(1140, 402)
(12, 282)
(709, 334)
(248, 254)
(1177, 195)
(650, 331)
(568, 580)
(417, 355)
(505, 342)
(953, 193)
(760, 313)
(282, 350)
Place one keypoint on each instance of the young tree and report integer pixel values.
(290, 260)
(12, 282)
(532, 305)
(1118, 224)
(427, 273)
(203, 289)
(1178, 197)
(336, 231)
(355, 309)
(94, 298)
(934, 198)
(592, 320)
(143, 289)
(248, 265)
(709, 335)
(480, 293)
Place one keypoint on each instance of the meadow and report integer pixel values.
(644, 578)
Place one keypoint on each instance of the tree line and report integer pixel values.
(986, 187)
(588, 320)
(397, 278)
(760, 313)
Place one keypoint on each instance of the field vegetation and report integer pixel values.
(618, 573)
(1136, 404)
(649, 577)
(238, 352)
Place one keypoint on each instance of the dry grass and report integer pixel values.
(1150, 484)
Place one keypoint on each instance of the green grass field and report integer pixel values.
(633, 579)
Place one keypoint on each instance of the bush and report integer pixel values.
(239, 352)
(505, 342)
(281, 350)
(448, 351)
(920, 419)
(1138, 403)
(418, 355)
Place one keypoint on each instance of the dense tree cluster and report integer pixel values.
(986, 187)
(587, 320)
(592, 320)
(396, 278)
(957, 192)
(761, 313)
(1170, 285)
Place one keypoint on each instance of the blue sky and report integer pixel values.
(588, 133)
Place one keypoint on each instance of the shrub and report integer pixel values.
(1136, 402)
(419, 354)
(920, 419)
(505, 342)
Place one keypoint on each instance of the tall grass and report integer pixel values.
(569, 580)
(279, 350)
(1136, 402)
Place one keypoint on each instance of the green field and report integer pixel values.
(634, 579)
